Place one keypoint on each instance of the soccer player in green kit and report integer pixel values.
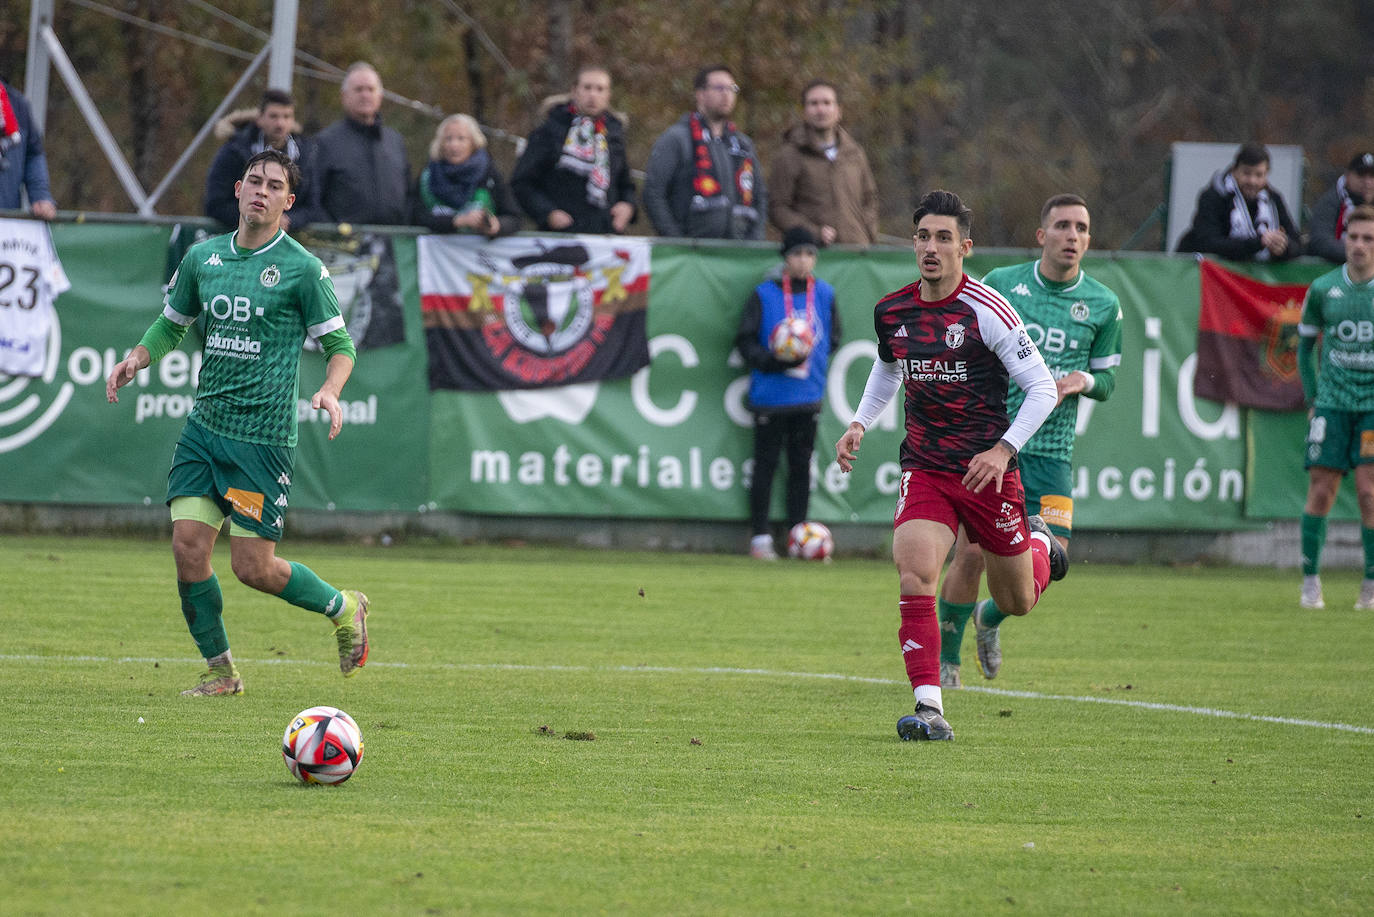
(261, 293)
(1338, 381)
(1076, 323)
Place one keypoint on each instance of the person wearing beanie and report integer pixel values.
(1332, 211)
(785, 389)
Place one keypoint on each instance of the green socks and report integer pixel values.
(202, 605)
(306, 590)
(1367, 539)
(953, 619)
(992, 615)
(1314, 538)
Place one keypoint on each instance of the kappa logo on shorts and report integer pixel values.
(245, 502)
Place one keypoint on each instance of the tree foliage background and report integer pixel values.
(1005, 103)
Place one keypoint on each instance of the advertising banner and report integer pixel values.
(673, 440)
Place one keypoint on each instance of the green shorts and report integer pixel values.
(1049, 491)
(1339, 439)
(247, 481)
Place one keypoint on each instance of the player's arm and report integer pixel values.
(340, 355)
(1309, 326)
(883, 382)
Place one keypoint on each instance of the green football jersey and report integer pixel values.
(258, 306)
(1342, 313)
(1077, 326)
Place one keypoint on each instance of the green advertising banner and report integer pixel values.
(60, 441)
(673, 441)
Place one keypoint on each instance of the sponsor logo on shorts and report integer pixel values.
(1366, 443)
(245, 503)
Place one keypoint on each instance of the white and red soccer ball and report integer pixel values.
(810, 541)
(322, 745)
(792, 339)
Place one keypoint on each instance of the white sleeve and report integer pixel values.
(1006, 336)
(882, 384)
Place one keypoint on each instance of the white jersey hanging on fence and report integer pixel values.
(31, 277)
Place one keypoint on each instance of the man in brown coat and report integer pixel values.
(820, 178)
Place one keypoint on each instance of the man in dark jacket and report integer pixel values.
(1241, 218)
(23, 167)
(360, 164)
(704, 179)
(246, 132)
(574, 175)
(1333, 209)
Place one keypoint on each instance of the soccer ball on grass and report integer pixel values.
(810, 541)
(792, 339)
(322, 745)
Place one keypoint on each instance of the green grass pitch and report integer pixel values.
(1160, 741)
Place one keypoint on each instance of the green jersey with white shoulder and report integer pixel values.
(259, 306)
(1341, 312)
(1077, 326)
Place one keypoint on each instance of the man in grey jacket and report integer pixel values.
(361, 171)
(704, 180)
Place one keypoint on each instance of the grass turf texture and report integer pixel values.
(706, 788)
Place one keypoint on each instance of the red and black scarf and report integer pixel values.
(9, 124)
(705, 182)
(586, 151)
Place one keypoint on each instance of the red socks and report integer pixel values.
(1040, 565)
(919, 636)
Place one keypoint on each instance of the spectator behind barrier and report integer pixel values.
(362, 172)
(574, 175)
(820, 178)
(1331, 213)
(23, 167)
(704, 179)
(1240, 217)
(248, 131)
(461, 189)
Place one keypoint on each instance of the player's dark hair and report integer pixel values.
(1363, 212)
(815, 84)
(1061, 200)
(704, 74)
(1250, 154)
(293, 171)
(945, 204)
(275, 97)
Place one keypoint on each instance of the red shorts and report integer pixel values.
(995, 521)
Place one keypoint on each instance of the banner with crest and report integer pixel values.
(526, 312)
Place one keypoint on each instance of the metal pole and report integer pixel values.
(36, 62)
(97, 124)
(283, 45)
(206, 128)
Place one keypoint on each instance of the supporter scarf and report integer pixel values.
(705, 182)
(292, 148)
(1243, 226)
(811, 318)
(586, 152)
(1347, 204)
(9, 124)
(449, 188)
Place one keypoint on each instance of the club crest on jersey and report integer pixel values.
(954, 337)
(1079, 311)
(270, 276)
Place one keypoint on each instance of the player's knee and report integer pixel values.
(251, 571)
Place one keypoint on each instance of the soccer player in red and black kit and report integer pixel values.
(953, 342)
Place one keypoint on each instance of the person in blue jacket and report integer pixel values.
(785, 394)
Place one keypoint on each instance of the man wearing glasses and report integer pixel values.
(704, 179)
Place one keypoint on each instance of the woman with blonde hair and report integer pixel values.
(461, 189)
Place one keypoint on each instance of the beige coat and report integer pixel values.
(807, 189)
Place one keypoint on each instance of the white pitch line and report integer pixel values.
(724, 670)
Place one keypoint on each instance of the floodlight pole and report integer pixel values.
(283, 44)
(36, 62)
